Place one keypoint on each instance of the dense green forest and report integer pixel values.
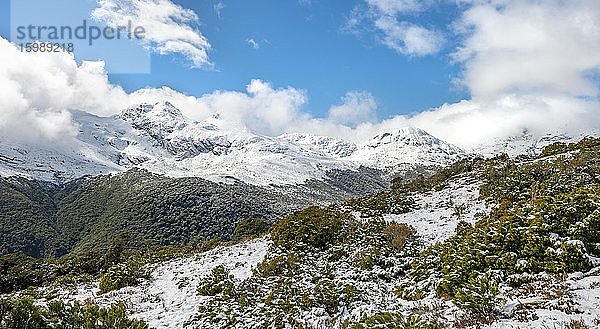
(43, 220)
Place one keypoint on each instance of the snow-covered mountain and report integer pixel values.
(524, 143)
(406, 145)
(159, 138)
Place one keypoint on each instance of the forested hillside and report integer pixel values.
(500, 242)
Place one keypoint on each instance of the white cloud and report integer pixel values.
(38, 90)
(252, 43)
(527, 46)
(526, 69)
(218, 8)
(409, 39)
(170, 28)
(389, 19)
(357, 107)
(470, 123)
(395, 7)
(261, 108)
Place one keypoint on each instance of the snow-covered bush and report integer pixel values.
(123, 275)
(218, 282)
(24, 313)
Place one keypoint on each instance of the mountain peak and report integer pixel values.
(403, 136)
(158, 112)
(157, 119)
(408, 145)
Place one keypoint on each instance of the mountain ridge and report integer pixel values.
(159, 138)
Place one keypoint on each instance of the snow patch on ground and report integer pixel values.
(169, 298)
(436, 217)
(581, 292)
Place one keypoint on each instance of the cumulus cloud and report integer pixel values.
(470, 123)
(261, 108)
(389, 18)
(407, 38)
(170, 28)
(528, 64)
(531, 72)
(39, 91)
(357, 107)
(543, 47)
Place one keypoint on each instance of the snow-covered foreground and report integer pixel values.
(554, 303)
(169, 298)
(438, 212)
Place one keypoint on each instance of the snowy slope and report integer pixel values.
(169, 298)
(159, 138)
(436, 218)
(406, 145)
(526, 143)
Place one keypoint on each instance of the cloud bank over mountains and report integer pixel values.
(527, 64)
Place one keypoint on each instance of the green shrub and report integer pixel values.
(23, 313)
(410, 292)
(554, 149)
(560, 147)
(250, 228)
(281, 265)
(218, 282)
(479, 297)
(313, 227)
(519, 238)
(547, 219)
(327, 296)
(440, 178)
(390, 202)
(398, 233)
(19, 271)
(123, 275)
(396, 321)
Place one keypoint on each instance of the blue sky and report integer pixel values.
(306, 46)
(463, 70)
